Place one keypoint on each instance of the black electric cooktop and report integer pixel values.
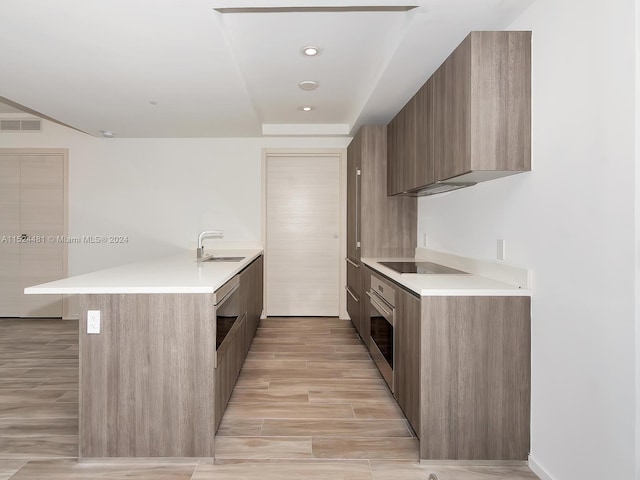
(427, 268)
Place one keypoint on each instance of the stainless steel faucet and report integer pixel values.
(206, 233)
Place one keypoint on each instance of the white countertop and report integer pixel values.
(446, 285)
(175, 274)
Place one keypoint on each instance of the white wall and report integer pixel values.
(637, 282)
(572, 221)
(158, 192)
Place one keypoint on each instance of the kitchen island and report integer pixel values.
(155, 380)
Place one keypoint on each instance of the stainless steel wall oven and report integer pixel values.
(382, 323)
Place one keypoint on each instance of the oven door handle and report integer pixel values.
(386, 313)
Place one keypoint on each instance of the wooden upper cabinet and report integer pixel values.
(451, 114)
(401, 149)
(471, 120)
(500, 101)
(424, 134)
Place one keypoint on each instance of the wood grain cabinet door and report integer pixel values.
(354, 294)
(424, 139)
(395, 152)
(407, 356)
(401, 150)
(451, 113)
(354, 198)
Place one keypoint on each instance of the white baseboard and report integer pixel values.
(538, 470)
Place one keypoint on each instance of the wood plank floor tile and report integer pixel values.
(335, 427)
(261, 396)
(32, 395)
(322, 356)
(285, 470)
(283, 347)
(333, 340)
(336, 384)
(302, 410)
(70, 396)
(273, 364)
(31, 363)
(377, 410)
(9, 467)
(45, 446)
(278, 340)
(260, 356)
(263, 447)
(345, 329)
(343, 365)
(359, 447)
(361, 373)
(25, 410)
(246, 381)
(349, 348)
(396, 470)
(72, 470)
(240, 427)
(291, 373)
(328, 395)
(29, 427)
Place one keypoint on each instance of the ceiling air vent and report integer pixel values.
(20, 125)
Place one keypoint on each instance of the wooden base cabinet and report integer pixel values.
(462, 373)
(407, 358)
(230, 357)
(475, 378)
(354, 295)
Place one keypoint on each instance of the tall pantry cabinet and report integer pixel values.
(377, 225)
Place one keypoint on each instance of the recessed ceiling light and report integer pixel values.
(306, 108)
(107, 133)
(308, 85)
(311, 51)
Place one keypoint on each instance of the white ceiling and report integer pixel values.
(97, 65)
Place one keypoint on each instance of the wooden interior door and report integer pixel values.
(303, 235)
(32, 196)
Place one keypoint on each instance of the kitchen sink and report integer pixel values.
(214, 258)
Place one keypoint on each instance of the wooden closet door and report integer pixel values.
(42, 220)
(10, 294)
(32, 203)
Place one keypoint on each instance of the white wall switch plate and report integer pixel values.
(93, 321)
(501, 250)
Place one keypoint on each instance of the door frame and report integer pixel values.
(341, 153)
(66, 299)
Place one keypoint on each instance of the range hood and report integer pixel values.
(460, 181)
(438, 187)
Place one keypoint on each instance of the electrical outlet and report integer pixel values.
(500, 253)
(425, 240)
(93, 321)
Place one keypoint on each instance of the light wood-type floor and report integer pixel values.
(309, 404)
